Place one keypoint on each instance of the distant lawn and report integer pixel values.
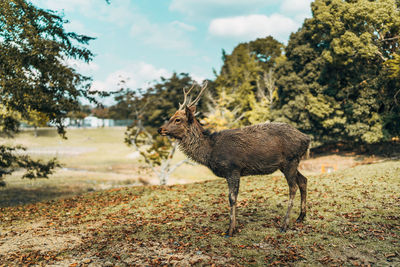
(92, 159)
(96, 149)
(353, 219)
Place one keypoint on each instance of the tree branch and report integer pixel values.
(179, 164)
(382, 57)
(390, 39)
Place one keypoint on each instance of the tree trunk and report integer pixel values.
(164, 175)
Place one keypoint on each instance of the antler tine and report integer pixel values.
(203, 87)
(185, 96)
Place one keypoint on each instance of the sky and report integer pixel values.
(141, 40)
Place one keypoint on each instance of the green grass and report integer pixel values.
(102, 147)
(353, 219)
(102, 162)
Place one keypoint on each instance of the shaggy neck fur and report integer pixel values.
(196, 144)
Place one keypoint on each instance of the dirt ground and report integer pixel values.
(335, 162)
(63, 240)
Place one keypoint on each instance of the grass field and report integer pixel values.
(353, 219)
(92, 158)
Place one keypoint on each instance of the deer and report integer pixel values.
(252, 150)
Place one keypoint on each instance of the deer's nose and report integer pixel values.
(162, 131)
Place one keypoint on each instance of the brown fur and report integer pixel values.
(253, 150)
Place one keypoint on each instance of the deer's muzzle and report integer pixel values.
(162, 131)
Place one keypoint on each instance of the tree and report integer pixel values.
(242, 76)
(35, 76)
(37, 119)
(165, 97)
(394, 69)
(157, 151)
(219, 115)
(333, 83)
(125, 104)
(149, 109)
(267, 95)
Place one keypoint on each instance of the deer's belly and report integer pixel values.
(222, 168)
(226, 168)
(258, 170)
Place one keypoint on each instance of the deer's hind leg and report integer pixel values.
(302, 183)
(290, 172)
(233, 184)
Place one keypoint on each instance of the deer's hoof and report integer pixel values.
(283, 229)
(301, 218)
(229, 233)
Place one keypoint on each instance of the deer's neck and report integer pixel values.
(196, 145)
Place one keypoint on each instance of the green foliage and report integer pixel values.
(36, 82)
(219, 116)
(34, 73)
(242, 76)
(333, 83)
(267, 51)
(164, 98)
(154, 105)
(150, 109)
(127, 102)
(101, 112)
(9, 160)
(80, 113)
(394, 66)
(153, 147)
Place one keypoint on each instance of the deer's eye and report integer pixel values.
(177, 120)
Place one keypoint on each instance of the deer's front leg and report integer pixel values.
(233, 184)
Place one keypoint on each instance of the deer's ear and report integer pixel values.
(190, 111)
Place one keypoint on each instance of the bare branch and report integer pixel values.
(390, 39)
(268, 85)
(173, 168)
(381, 55)
(165, 166)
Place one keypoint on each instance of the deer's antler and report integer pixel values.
(203, 87)
(185, 96)
(186, 99)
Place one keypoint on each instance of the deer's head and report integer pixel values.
(179, 124)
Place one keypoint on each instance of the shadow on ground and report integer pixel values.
(23, 195)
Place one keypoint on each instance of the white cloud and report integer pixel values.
(119, 12)
(298, 9)
(183, 26)
(296, 6)
(81, 66)
(165, 36)
(214, 8)
(138, 75)
(198, 78)
(253, 26)
(66, 5)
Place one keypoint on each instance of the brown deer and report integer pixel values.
(254, 150)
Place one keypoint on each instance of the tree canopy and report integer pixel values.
(334, 84)
(35, 74)
(242, 75)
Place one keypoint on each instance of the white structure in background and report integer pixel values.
(92, 121)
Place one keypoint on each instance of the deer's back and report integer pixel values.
(257, 149)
